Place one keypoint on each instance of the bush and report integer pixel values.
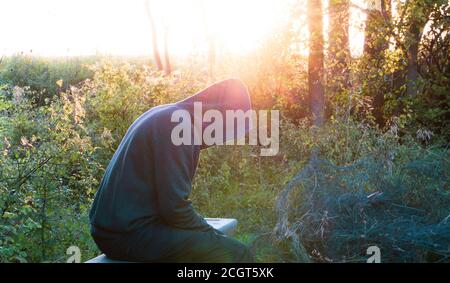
(44, 77)
(394, 196)
(47, 178)
(53, 157)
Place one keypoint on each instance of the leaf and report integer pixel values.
(9, 215)
(59, 83)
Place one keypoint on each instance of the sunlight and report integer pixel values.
(241, 25)
(119, 27)
(312, 131)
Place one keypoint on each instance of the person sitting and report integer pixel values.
(141, 211)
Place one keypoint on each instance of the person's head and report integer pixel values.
(227, 97)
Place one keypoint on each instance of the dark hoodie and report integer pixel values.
(149, 179)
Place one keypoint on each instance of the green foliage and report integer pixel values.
(46, 77)
(377, 181)
(47, 177)
(53, 155)
(406, 76)
(394, 196)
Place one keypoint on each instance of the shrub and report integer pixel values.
(385, 193)
(45, 77)
(47, 178)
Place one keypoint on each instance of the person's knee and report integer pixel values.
(239, 252)
(246, 255)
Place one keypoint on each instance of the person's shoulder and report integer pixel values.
(161, 115)
(158, 119)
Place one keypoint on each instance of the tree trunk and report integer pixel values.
(375, 43)
(212, 57)
(156, 53)
(413, 37)
(418, 16)
(412, 71)
(315, 62)
(211, 42)
(168, 67)
(339, 51)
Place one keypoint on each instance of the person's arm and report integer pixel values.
(174, 168)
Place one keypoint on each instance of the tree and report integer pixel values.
(168, 66)
(156, 54)
(417, 14)
(376, 41)
(211, 42)
(407, 30)
(315, 62)
(338, 51)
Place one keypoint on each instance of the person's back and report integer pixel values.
(141, 211)
(126, 199)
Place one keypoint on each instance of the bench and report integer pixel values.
(224, 225)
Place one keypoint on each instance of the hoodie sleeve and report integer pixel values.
(174, 170)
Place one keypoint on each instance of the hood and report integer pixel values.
(231, 94)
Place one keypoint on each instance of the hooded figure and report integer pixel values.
(142, 211)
